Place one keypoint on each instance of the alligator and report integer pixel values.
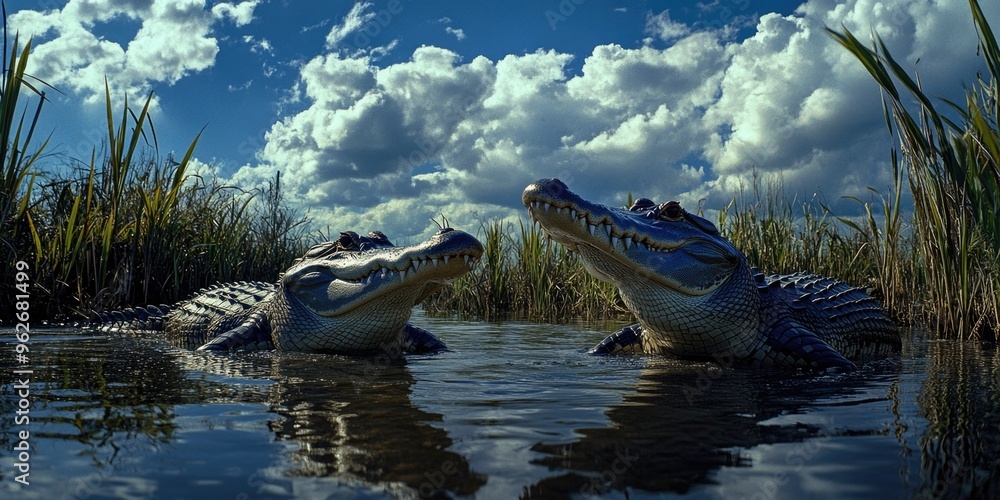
(352, 295)
(695, 296)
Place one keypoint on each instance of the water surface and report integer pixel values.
(513, 410)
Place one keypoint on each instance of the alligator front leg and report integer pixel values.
(254, 334)
(628, 340)
(419, 341)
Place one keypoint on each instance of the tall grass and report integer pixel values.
(953, 174)
(779, 235)
(131, 228)
(525, 275)
(18, 154)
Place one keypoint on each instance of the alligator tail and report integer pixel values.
(139, 318)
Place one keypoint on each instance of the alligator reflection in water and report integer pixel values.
(125, 405)
(686, 421)
(351, 418)
(355, 419)
(132, 417)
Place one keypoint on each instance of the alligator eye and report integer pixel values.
(380, 238)
(642, 204)
(671, 211)
(348, 240)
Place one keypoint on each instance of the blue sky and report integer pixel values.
(383, 114)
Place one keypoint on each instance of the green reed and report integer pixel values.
(18, 154)
(129, 229)
(953, 174)
(525, 275)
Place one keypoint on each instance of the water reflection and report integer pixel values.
(108, 400)
(123, 402)
(960, 448)
(687, 420)
(513, 409)
(352, 417)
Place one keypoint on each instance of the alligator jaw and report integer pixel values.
(337, 286)
(639, 245)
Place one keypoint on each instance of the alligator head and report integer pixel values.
(689, 287)
(356, 293)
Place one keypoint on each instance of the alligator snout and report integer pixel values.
(544, 189)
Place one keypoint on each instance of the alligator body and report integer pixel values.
(350, 296)
(696, 297)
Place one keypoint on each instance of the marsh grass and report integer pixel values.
(129, 229)
(524, 275)
(952, 169)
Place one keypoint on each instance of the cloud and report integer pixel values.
(666, 29)
(354, 20)
(459, 33)
(241, 14)
(685, 114)
(172, 40)
(390, 146)
(262, 46)
(794, 102)
(369, 129)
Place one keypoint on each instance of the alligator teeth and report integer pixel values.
(446, 257)
(626, 242)
(402, 275)
(434, 261)
(465, 258)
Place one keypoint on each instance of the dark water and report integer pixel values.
(514, 410)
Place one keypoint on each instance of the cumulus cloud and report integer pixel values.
(792, 101)
(686, 117)
(173, 40)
